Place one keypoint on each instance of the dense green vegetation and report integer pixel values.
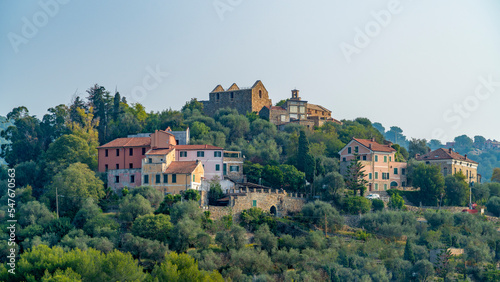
(91, 233)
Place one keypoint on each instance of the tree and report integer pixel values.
(316, 213)
(378, 205)
(131, 207)
(235, 238)
(184, 234)
(430, 181)
(396, 202)
(493, 205)
(355, 178)
(186, 210)
(193, 104)
(418, 147)
(495, 177)
(463, 143)
(153, 227)
(357, 205)
(34, 213)
(151, 194)
(88, 211)
(191, 195)
(408, 254)
(479, 142)
(423, 270)
(305, 161)
(182, 267)
(75, 184)
(198, 130)
(252, 171)
(272, 176)
(435, 144)
(214, 193)
(266, 239)
(456, 189)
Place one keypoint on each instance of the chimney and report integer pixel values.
(370, 145)
(465, 156)
(373, 139)
(450, 150)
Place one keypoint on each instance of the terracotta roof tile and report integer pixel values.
(317, 107)
(181, 167)
(160, 151)
(197, 147)
(444, 154)
(277, 108)
(128, 142)
(374, 145)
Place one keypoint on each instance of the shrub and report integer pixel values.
(378, 204)
(396, 202)
(493, 205)
(357, 204)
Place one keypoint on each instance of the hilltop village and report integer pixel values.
(238, 188)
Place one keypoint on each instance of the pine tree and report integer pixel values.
(409, 255)
(355, 179)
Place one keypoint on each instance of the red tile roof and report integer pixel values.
(374, 145)
(160, 151)
(128, 142)
(277, 108)
(444, 154)
(181, 167)
(197, 147)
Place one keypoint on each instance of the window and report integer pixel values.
(217, 154)
(130, 165)
(150, 160)
(390, 159)
(194, 178)
(174, 178)
(254, 203)
(217, 167)
(445, 171)
(376, 175)
(376, 158)
(131, 151)
(146, 179)
(117, 152)
(132, 179)
(232, 96)
(117, 166)
(385, 159)
(370, 175)
(283, 118)
(403, 171)
(143, 151)
(385, 187)
(165, 178)
(395, 170)
(183, 154)
(200, 154)
(217, 96)
(234, 168)
(364, 158)
(157, 180)
(349, 150)
(293, 109)
(302, 109)
(106, 152)
(356, 149)
(376, 186)
(106, 167)
(260, 94)
(403, 184)
(117, 179)
(343, 159)
(224, 169)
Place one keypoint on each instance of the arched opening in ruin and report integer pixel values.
(273, 210)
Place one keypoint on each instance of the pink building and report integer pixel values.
(210, 156)
(380, 166)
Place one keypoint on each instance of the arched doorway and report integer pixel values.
(394, 184)
(273, 210)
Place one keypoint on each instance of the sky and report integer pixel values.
(430, 67)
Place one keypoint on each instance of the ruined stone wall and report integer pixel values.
(268, 200)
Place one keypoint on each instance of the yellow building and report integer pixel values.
(161, 171)
(451, 163)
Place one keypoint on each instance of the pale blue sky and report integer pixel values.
(413, 73)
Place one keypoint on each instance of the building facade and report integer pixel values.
(211, 158)
(244, 100)
(451, 162)
(381, 169)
